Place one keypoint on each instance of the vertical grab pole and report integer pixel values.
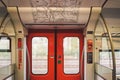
(28, 58)
(112, 48)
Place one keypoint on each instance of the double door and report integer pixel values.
(55, 54)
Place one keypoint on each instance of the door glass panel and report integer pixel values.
(71, 55)
(39, 55)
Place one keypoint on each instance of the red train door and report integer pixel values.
(55, 55)
(69, 51)
(41, 49)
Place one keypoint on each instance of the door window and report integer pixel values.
(39, 55)
(71, 55)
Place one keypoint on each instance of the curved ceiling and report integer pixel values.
(54, 3)
(54, 15)
(38, 12)
(54, 11)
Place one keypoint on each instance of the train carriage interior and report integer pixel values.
(59, 39)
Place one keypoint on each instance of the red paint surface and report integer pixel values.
(50, 34)
(19, 42)
(19, 59)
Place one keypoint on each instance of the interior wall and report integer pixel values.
(113, 23)
(89, 67)
(113, 28)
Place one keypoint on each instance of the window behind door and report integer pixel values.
(5, 51)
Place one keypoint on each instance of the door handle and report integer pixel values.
(51, 56)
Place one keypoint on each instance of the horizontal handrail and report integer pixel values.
(103, 66)
(7, 71)
(103, 71)
(112, 34)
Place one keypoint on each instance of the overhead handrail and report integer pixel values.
(28, 59)
(112, 34)
(3, 3)
(112, 47)
(6, 15)
(82, 64)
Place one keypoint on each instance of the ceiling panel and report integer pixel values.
(54, 15)
(63, 11)
(112, 4)
(54, 3)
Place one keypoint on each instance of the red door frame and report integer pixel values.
(55, 35)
